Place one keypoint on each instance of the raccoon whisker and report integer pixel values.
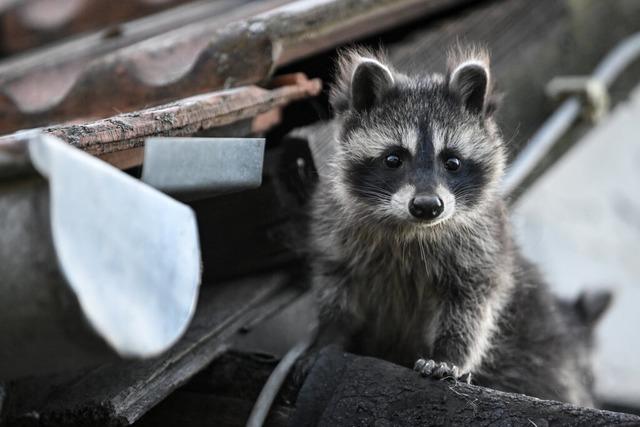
(512, 138)
(468, 189)
(374, 189)
(383, 196)
(378, 198)
(403, 252)
(424, 256)
(373, 192)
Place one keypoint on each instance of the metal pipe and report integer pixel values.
(617, 60)
(565, 116)
(261, 408)
(541, 143)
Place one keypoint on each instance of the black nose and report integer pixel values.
(426, 207)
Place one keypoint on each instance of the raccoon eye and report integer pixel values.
(393, 161)
(452, 164)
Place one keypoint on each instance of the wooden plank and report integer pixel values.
(207, 55)
(119, 394)
(257, 125)
(126, 132)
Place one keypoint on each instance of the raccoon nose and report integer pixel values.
(426, 207)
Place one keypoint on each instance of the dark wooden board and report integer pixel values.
(118, 394)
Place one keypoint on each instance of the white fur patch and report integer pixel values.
(461, 139)
(487, 325)
(439, 137)
(399, 205)
(373, 142)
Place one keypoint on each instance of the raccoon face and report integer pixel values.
(418, 151)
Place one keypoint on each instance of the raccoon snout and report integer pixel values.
(426, 207)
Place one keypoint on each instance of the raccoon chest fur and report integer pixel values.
(398, 306)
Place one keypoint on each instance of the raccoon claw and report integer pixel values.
(441, 370)
(465, 378)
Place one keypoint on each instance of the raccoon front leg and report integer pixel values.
(462, 340)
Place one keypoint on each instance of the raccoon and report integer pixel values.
(412, 252)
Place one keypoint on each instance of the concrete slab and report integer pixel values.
(581, 224)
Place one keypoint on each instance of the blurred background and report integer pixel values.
(83, 273)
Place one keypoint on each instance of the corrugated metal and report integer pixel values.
(25, 24)
(240, 47)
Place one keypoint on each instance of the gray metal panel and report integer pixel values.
(128, 261)
(42, 328)
(203, 166)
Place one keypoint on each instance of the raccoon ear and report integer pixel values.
(470, 82)
(591, 305)
(369, 81)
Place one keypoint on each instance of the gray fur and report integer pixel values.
(453, 290)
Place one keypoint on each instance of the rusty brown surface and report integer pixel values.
(27, 24)
(199, 57)
(91, 77)
(125, 133)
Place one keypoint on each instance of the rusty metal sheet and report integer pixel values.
(27, 24)
(210, 54)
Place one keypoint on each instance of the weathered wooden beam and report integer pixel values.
(120, 393)
(119, 138)
(210, 54)
(27, 24)
(345, 390)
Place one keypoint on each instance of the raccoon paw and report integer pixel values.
(441, 370)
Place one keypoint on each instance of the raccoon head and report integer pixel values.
(416, 150)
